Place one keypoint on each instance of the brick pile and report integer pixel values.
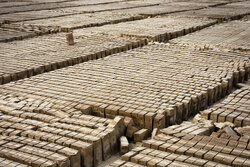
(16, 31)
(45, 14)
(86, 20)
(34, 132)
(36, 58)
(158, 28)
(43, 5)
(30, 57)
(156, 85)
(176, 146)
(235, 108)
(222, 13)
(233, 35)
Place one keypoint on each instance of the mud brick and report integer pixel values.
(141, 135)
(176, 163)
(171, 115)
(219, 157)
(155, 153)
(106, 148)
(144, 161)
(124, 147)
(147, 143)
(217, 148)
(141, 119)
(86, 152)
(200, 145)
(246, 163)
(60, 159)
(74, 156)
(191, 151)
(159, 121)
(231, 117)
(200, 153)
(155, 145)
(245, 154)
(190, 160)
(154, 161)
(173, 148)
(214, 115)
(228, 159)
(227, 150)
(147, 151)
(85, 109)
(191, 143)
(128, 121)
(232, 143)
(130, 131)
(113, 140)
(138, 149)
(239, 120)
(162, 155)
(163, 163)
(210, 164)
(238, 161)
(111, 111)
(237, 151)
(222, 116)
(200, 162)
(118, 163)
(127, 113)
(182, 158)
(134, 115)
(244, 139)
(181, 150)
(171, 157)
(127, 157)
(246, 121)
(136, 158)
(242, 145)
(164, 146)
(70, 39)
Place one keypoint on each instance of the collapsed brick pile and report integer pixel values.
(189, 150)
(235, 109)
(51, 137)
(190, 144)
(196, 143)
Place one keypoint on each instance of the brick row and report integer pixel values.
(87, 47)
(235, 108)
(231, 35)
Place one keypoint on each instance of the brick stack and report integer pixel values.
(176, 146)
